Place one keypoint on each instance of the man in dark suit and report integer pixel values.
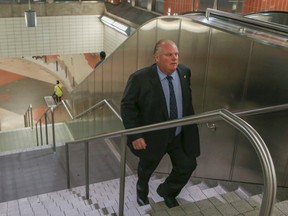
(151, 97)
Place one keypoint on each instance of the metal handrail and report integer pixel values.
(45, 114)
(258, 111)
(67, 109)
(53, 108)
(109, 104)
(255, 139)
(215, 118)
(97, 105)
(237, 17)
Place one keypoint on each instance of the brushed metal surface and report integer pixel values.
(229, 70)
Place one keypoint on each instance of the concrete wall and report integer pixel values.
(53, 35)
(53, 9)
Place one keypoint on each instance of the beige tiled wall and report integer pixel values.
(53, 35)
(112, 39)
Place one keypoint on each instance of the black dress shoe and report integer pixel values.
(142, 193)
(171, 202)
(142, 201)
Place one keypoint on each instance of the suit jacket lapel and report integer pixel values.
(182, 77)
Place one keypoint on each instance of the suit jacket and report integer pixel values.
(143, 103)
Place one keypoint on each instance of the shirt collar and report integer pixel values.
(163, 75)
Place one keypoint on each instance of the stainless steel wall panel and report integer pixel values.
(117, 75)
(246, 167)
(225, 80)
(112, 88)
(130, 58)
(217, 149)
(193, 51)
(227, 69)
(268, 76)
(146, 41)
(273, 130)
(168, 28)
(266, 86)
(80, 101)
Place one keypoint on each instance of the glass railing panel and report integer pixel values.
(97, 121)
(47, 133)
(104, 166)
(60, 114)
(104, 155)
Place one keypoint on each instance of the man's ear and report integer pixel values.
(156, 57)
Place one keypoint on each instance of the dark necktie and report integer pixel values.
(173, 104)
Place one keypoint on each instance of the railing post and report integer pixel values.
(67, 165)
(25, 122)
(87, 169)
(46, 128)
(31, 116)
(37, 139)
(122, 175)
(53, 129)
(41, 136)
(28, 117)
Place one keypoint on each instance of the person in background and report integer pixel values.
(155, 94)
(102, 58)
(58, 93)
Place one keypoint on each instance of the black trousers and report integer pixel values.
(182, 169)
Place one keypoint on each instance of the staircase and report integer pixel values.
(197, 198)
(200, 197)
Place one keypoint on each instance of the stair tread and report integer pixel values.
(198, 197)
(72, 202)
